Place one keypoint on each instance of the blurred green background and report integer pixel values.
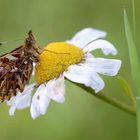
(82, 116)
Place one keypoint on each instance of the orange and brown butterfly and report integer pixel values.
(16, 68)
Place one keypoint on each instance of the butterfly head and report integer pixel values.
(30, 40)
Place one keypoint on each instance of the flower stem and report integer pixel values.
(110, 101)
(138, 116)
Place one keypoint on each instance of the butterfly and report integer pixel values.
(16, 68)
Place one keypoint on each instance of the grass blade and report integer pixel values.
(134, 62)
(135, 68)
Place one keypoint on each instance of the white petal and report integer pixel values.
(25, 100)
(96, 82)
(105, 46)
(34, 110)
(56, 89)
(78, 74)
(11, 102)
(33, 73)
(85, 75)
(108, 67)
(12, 110)
(21, 100)
(40, 102)
(85, 36)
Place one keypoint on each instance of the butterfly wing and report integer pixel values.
(16, 68)
(15, 72)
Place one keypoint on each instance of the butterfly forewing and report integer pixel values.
(16, 68)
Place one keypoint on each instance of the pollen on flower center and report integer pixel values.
(55, 59)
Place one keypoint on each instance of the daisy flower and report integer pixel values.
(72, 60)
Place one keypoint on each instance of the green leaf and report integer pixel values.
(126, 88)
(134, 62)
(124, 85)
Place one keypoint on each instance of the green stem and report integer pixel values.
(134, 19)
(138, 116)
(110, 101)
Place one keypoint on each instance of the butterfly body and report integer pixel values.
(16, 68)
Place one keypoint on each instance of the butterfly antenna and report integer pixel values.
(88, 43)
(56, 52)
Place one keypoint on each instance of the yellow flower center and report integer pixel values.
(55, 59)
